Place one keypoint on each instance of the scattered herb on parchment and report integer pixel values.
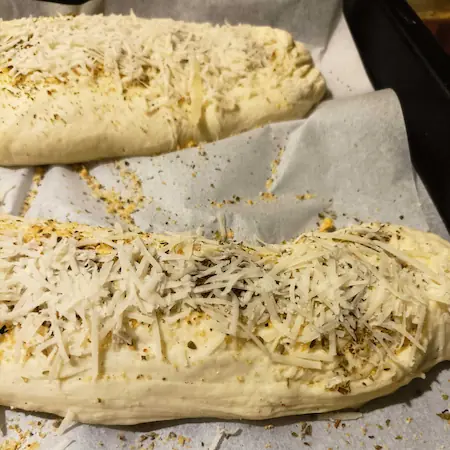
(444, 415)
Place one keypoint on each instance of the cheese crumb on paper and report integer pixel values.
(39, 173)
(121, 204)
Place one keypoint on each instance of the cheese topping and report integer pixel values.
(183, 67)
(117, 86)
(350, 301)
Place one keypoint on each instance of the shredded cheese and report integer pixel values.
(67, 422)
(222, 434)
(177, 67)
(328, 301)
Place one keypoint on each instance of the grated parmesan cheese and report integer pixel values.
(328, 301)
(182, 68)
(67, 422)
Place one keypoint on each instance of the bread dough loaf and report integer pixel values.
(114, 327)
(84, 88)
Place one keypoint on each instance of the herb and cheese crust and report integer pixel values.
(90, 87)
(115, 327)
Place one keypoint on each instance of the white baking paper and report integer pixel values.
(349, 157)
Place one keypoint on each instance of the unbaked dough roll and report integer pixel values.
(114, 327)
(91, 87)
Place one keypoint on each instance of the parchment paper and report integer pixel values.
(350, 156)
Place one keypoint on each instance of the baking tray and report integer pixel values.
(405, 407)
(399, 52)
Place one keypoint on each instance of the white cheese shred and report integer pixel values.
(222, 434)
(94, 344)
(67, 422)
